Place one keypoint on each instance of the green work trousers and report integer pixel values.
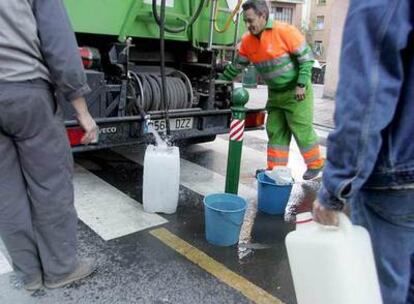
(287, 117)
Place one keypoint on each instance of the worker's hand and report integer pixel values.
(324, 215)
(86, 121)
(300, 93)
(89, 126)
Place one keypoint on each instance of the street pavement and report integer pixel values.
(159, 258)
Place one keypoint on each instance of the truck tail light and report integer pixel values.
(91, 57)
(75, 135)
(255, 119)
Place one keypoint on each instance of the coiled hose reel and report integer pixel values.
(147, 90)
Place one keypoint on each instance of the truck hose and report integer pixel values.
(138, 108)
(162, 67)
(228, 21)
(146, 88)
(177, 29)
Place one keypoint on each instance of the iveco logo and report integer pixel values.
(111, 130)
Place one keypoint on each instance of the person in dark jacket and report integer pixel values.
(38, 221)
(370, 160)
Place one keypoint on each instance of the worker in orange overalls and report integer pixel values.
(284, 61)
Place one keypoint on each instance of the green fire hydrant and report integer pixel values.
(238, 114)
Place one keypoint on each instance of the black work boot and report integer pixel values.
(312, 173)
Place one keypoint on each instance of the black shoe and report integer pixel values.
(312, 173)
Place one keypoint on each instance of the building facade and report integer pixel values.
(289, 11)
(319, 27)
(338, 14)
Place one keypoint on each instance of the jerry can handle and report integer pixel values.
(345, 224)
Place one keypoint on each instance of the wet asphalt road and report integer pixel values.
(138, 268)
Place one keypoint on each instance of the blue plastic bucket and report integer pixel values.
(271, 198)
(224, 214)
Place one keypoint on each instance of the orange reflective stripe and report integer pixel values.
(277, 157)
(313, 157)
(272, 152)
(316, 164)
(312, 153)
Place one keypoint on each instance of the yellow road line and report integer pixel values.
(248, 289)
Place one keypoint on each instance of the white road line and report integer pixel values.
(251, 159)
(205, 181)
(108, 211)
(5, 266)
(261, 134)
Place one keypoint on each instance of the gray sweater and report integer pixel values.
(37, 41)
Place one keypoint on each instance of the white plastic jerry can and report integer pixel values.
(161, 179)
(332, 265)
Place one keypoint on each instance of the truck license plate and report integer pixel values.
(176, 124)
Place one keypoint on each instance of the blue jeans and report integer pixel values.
(411, 288)
(389, 217)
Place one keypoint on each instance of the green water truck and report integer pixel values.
(119, 41)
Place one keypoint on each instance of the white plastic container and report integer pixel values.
(332, 265)
(161, 179)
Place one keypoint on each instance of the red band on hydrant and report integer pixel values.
(236, 130)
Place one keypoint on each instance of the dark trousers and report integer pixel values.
(38, 220)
